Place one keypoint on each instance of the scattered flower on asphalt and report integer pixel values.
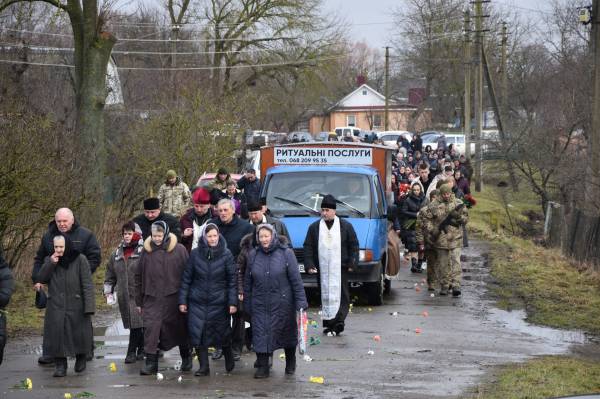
(317, 380)
(370, 352)
(159, 377)
(377, 338)
(112, 367)
(425, 313)
(418, 330)
(307, 358)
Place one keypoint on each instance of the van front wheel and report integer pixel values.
(375, 289)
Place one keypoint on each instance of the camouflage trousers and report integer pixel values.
(449, 269)
(432, 268)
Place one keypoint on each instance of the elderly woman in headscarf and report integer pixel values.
(71, 303)
(157, 282)
(273, 292)
(208, 295)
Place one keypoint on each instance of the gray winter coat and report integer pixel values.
(273, 292)
(121, 273)
(71, 302)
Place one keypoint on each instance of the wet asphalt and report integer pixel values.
(429, 347)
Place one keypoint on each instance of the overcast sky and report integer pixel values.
(371, 19)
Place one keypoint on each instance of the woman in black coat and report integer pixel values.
(71, 303)
(273, 292)
(7, 286)
(208, 294)
(408, 215)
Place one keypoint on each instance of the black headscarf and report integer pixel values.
(70, 253)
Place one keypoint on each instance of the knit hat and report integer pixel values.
(222, 171)
(201, 196)
(328, 202)
(445, 189)
(151, 204)
(171, 174)
(254, 206)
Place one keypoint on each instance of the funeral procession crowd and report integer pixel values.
(198, 265)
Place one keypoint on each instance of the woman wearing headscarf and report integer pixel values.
(71, 303)
(408, 216)
(157, 282)
(273, 292)
(120, 272)
(208, 295)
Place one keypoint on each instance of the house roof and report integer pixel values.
(363, 96)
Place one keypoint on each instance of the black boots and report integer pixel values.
(262, 361)
(186, 358)
(456, 292)
(135, 350)
(80, 362)
(415, 266)
(60, 366)
(290, 361)
(217, 354)
(229, 358)
(202, 353)
(151, 365)
(45, 360)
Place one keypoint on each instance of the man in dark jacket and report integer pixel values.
(331, 235)
(233, 229)
(84, 242)
(7, 286)
(250, 185)
(153, 213)
(258, 217)
(195, 217)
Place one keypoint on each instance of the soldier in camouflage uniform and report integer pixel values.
(448, 215)
(174, 195)
(424, 241)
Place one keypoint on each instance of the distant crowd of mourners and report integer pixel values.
(198, 265)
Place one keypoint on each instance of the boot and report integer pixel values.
(415, 267)
(202, 353)
(80, 363)
(151, 366)
(217, 354)
(131, 348)
(186, 358)
(229, 358)
(45, 360)
(290, 361)
(444, 291)
(456, 292)
(60, 366)
(262, 371)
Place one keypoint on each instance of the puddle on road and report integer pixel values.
(515, 320)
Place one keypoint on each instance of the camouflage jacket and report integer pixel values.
(175, 199)
(432, 217)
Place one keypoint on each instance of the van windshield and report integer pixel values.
(300, 194)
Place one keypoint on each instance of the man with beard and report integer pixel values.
(331, 251)
(153, 213)
(194, 218)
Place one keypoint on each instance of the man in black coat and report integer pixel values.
(84, 242)
(348, 254)
(153, 213)
(7, 286)
(250, 185)
(233, 229)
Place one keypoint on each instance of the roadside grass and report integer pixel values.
(546, 377)
(554, 291)
(24, 319)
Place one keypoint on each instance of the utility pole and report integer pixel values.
(595, 133)
(478, 97)
(387, 89)
(174, 38)
(467, 98)
(503, 72)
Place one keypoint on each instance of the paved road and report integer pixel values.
(460, 340)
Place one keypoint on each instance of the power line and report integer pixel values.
(285, 63)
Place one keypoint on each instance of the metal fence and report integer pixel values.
(576, 234)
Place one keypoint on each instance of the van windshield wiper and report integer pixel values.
(298, 204)
(347, 205)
